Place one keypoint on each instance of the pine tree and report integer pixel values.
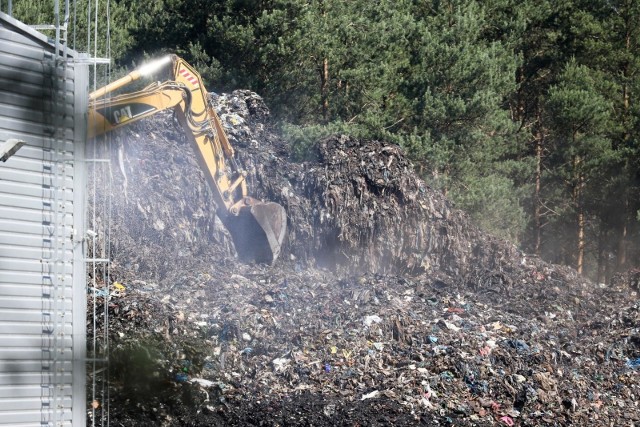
(111, 40)
(578, 117)
(609, 36)
(461, 75)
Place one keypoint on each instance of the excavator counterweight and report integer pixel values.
(257, 228)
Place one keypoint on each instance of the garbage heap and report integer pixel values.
(387, 306)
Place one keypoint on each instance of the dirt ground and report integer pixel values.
(387, 306)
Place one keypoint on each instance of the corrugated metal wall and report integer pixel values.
(42, 291)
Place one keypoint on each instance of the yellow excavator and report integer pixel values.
(257, 228)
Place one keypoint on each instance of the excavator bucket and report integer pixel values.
(258, 232)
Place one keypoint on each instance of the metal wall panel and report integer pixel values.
(42, 273)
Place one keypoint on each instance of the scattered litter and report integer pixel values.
(202, 382)
(507, 420)
(280, 363)
(370, 320)
(371, 395)
(181, 377)
(633, 363)
(304, 345)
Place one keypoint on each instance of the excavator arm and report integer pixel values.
(257, 228)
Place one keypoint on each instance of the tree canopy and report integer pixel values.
(525, 113)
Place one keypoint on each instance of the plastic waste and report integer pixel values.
(370, 320)
(446, 375)
(202, 382)
(280, 363)
(519, 345)
(440, 349)
(633, 363)
(371, 395)
(507, 420)
(99, 292)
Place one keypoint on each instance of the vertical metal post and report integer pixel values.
(79, 330)
(56, 19)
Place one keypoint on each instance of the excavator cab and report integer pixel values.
(257, 228)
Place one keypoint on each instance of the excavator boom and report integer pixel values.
(257, 228)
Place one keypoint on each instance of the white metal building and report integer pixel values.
(43, 102)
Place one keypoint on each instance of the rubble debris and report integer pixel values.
(387, 308)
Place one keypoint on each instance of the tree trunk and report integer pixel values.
(324, 90)
(580, 214)
(621, 259)
(581, 241)
(537, 200)
(601, 275)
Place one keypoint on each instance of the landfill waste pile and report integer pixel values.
(386, 307)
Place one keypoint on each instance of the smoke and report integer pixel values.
(161, 206)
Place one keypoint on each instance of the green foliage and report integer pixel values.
(576, 109)
(579, 118)
(111, 38)
(495, 205)
(479, 93)
(208, 67)
(302, 139)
